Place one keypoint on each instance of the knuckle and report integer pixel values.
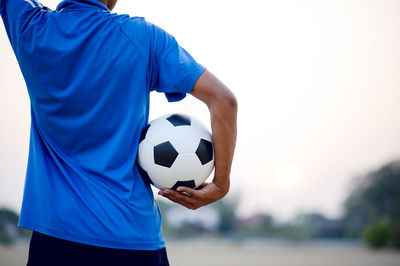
(171, 197)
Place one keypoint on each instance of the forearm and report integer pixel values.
(223, 110)
(224, 130)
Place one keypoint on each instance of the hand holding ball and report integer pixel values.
(175, 150)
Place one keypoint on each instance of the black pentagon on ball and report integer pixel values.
(189, 184)
(144, 175)
(144, 132)
(205, 151)
(165, 154)
(179, 120)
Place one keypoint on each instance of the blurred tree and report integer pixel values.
(164, 206)
(265, 226)
(256, 226)
(8, 222)
(322, 227)
(9, 232)
(299, 229)
(228, 220)
(395, 233)
(376, 198)
(377, 234)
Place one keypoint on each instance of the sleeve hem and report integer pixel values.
(189, 83)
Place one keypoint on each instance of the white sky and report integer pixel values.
(318, 84)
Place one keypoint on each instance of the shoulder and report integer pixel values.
(20, 15)
(130, 24)
(134, 27)
(142, 33)
(138, 27)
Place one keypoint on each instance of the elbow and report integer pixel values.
(226, 189)
(227, 102)
(233, 103)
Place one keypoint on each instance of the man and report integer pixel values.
(89, 73)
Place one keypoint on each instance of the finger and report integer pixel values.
(192, 193)
(179, 198)
(178, 201)
(178, 195)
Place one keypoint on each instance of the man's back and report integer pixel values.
(89, 73)
(87, 80)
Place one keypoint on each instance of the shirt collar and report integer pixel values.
(79, 4)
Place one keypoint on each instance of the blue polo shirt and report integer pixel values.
(89, 73)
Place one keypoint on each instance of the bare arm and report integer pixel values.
(223, 110)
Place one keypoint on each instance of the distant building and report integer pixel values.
(323, 227)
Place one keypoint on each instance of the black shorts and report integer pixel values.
(45, 250)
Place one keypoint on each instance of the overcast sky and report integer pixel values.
(318, 85)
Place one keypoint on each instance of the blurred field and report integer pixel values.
(196, 254)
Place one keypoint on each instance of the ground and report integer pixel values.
(228, 254)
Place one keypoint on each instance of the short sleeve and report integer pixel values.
(16, 15)
(173, 70)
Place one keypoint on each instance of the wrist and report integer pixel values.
(223, 186)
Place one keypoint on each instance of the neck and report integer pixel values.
(105, 2)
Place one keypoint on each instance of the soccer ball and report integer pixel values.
(175, 150)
